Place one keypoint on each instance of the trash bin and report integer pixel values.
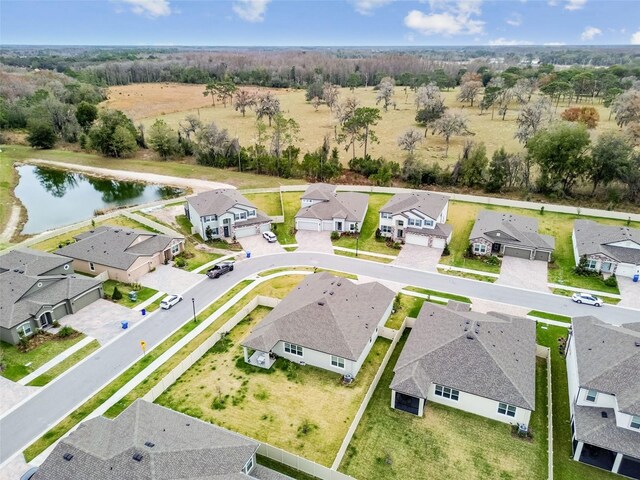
(125, 324)
(144, 311)
(248, 254)
(636, 277)
(133, 295)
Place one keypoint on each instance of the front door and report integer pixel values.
(45, 320)
(400, 233)
(226, 230)
(339, 226)
(495, 248)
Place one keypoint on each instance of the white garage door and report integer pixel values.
(417, 239)
(265, 227)
(303, 224)
(625, 270)
(245, 231)
(438, 243)
(327, 226)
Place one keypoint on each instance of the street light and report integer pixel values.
(193, 303)
(357, 238)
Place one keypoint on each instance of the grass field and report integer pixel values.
(563, 467)
(549, 316)
(172, 102)
(446, 443)
(404, 306)
(64, 365)
(285, 406)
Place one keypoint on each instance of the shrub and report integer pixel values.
(66, 331)
(180, 262)
(445, 251)
(306, 428)
(582, 269)
(611, 281)
(492, 260)
(378, 234)
(116, 294)
(41, 135)
(335, 235)
(587, 115)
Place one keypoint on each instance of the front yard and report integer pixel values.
(446, 443)
(304, 410)
(144, 293)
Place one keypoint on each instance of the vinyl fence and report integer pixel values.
(300, 464)
(544, 352)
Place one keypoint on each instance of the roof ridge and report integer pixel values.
(338, 326)
(424, 354)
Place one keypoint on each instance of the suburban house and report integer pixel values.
(497, 233)
(323, 209)
(225, 214)
(416, 218)
(603, 365)
(37, 289)
(151, 442)
(480, 363)
(326, 321)
(125, 254)
(608, 249)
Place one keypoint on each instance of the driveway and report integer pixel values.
(101, 320)
(630, 292)
(12, 393)
(314, 241)
(523, 273)
(169, 279)
(417, 256)
(257, 245)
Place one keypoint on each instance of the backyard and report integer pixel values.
(291, 203)
(446, 443)
(404, 306)
(269, 203)
(288, 406)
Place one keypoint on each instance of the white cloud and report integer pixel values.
(503, 41)
(635, 38)
(447, 18)
(251, 10)
(554, 44)
(590, 33)
(366, 7)
(150, 8)
(575, 4)
(515, 20)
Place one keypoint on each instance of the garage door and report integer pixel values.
(544, 256)
(407, 403)
(625, 270)
(84, 300)
(245, 231)
(265, 227)
(60, 311)
(438, 243)
(313, 225)
(414, 239)
(517, 252)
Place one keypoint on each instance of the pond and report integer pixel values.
(55, 198)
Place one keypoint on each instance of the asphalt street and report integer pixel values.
(20, 427)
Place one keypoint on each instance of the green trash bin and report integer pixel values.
(133, 296)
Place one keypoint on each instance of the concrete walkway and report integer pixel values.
(56, 360)
(149, 301)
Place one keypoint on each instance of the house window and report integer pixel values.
(243, 215)
(352, 227)
(635, 422)
(447, 392)
(214, 231)
(252, 213)
(92, 267)
(385, 215)
(337, 361)
(248, 466)
(415, 222)
(236, 216)
(401, 223)
(479, 248)
(293, 349)
(591, 396)
(24, 330)
(591, 264)
(427, 223)
(385, 229)
(506, 409)
(175, 248)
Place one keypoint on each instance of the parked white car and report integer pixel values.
(270, 237)
(170, 301)
(587, 299)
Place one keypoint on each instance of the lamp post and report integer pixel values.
(357, 238)
(193, 303)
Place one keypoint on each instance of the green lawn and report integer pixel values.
(568, 293)
(65, 365)
(269, 203)
(19, 364)
(362, 256)
(404, 306)
(563, 467)
(368, 240)
(284, 469)
(550, 316)
(446, 443)
(472, 276)
(436, 293)
(144, 293)
(8, 181)
(285, 231)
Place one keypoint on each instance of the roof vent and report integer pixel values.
(330, 293)
(67, 456)
(604, 414)
(321, 303)
(339, 283)
(637, 343)
(477, 330)
(470, 336)
(137, 457)
(149, 444)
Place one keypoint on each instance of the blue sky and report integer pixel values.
(325, 23)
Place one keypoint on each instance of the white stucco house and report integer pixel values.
(609, 249)
(603, 369)
(323, 209)
(326, 321)
(226, 213)
(484, 364)
(416, 218)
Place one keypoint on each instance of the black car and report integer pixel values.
(220, 269)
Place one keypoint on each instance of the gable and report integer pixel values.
(625, 244)
(501, 235)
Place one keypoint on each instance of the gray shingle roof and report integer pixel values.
(442, 230)
(32, 262)
(217, 202)
(428, 203)
(112, 246)
(592, 237)
(593, 428)
(498, 362)
(513, 230)
(348, 205)
(184, 448)
(319, 191)
(324, 313)
(609, 360)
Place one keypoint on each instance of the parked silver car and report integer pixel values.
(587, 299)
(170, 301)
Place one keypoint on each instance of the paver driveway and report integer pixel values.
(314, 241)
(12, 393)
(169, 279)
(419, 257)
(101, 320)
(523, 273)
(630, 292)
(257, 245)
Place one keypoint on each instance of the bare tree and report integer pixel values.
(626, 108)
(533, 117)
(244, 99)
(267, 105)
(410, 140)
(523, 90)
(469, 91)
(385, 92)
(451, 124)
(190, 125)
(330, 95)
(425, 93)
(345, 110)
(316, 102)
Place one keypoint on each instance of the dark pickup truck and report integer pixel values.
(220, 269)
